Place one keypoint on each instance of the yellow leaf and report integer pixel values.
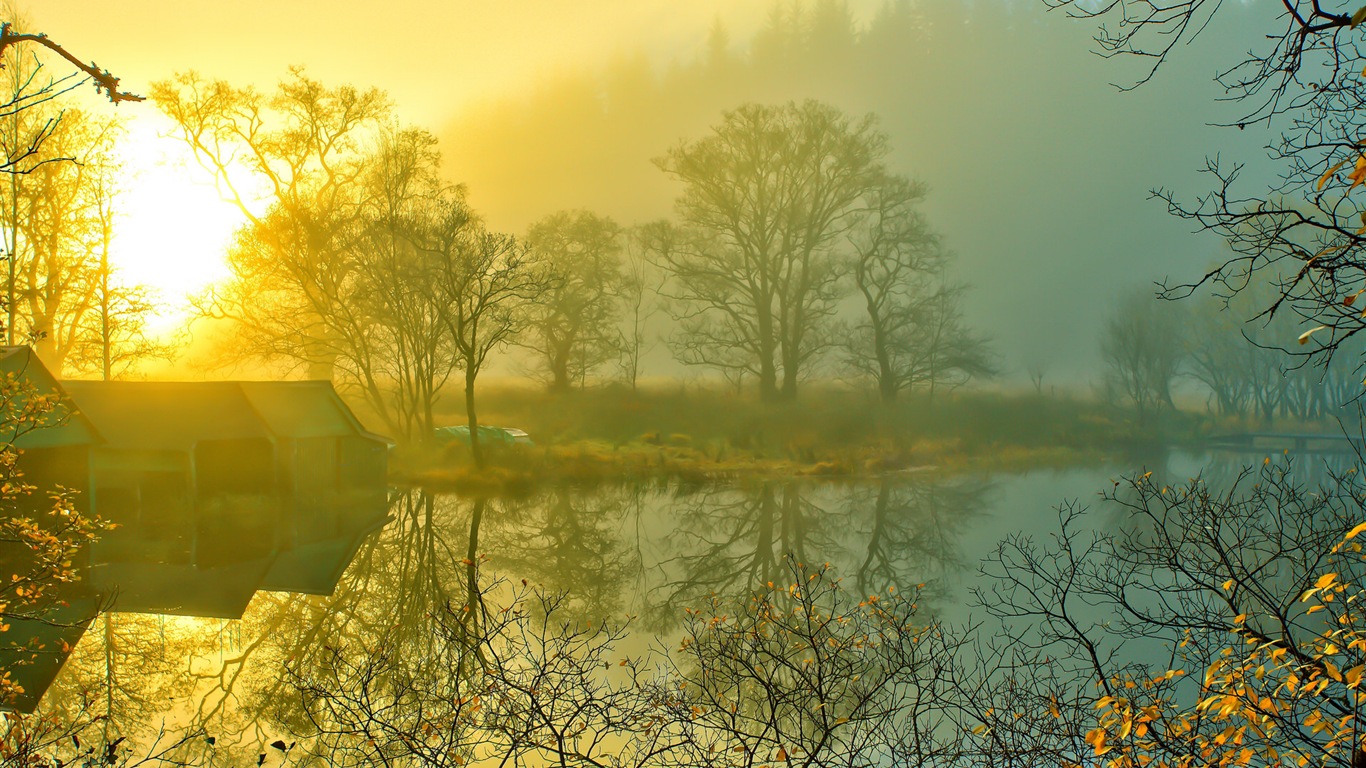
(1325, 580)
(1329, 173)
(1096, 738)
(1359, 16)
(1353, 533)
(1358, 174)
(1304, 337)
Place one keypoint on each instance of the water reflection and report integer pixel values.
(208, 562)
(350, 614)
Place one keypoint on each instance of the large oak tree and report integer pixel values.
(767, 197)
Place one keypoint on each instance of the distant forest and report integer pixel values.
(585, 138)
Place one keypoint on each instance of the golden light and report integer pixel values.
(173, 226)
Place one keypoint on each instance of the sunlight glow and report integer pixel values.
(173, 226)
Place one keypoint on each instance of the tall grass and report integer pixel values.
(690, 432)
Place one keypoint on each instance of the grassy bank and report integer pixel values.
(687, 433)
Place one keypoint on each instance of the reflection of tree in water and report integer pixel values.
(400, 639)
(913, 529)
(727, 541)
(1221, 468)
(571, 541)
(125, 669)
(241, 686)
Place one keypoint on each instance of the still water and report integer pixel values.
(221, 635)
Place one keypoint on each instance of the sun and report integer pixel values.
(173, 226)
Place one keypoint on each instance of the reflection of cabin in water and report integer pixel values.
(216, 479)
(56, 445)
(219, 490)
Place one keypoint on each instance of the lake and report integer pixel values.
(173, 659)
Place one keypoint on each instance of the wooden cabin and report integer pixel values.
(219, 489)
(325, 458)
(187, 470)
(55, 439)
(333, 476)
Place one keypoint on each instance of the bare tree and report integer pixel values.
(1143, 354)
(572, 325)
(1299, 78)
(337, 275)
(483, 281)
(640, 289)
(1187, 634)
(303, 149)
(912, 331)
(29, 117)
(766, 197)
(55, 270)
(403, 355)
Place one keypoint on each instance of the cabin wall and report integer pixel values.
(234, 467)
(46, 469)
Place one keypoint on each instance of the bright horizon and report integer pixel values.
(173, 226)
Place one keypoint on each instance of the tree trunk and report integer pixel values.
(789, 383)
(886, 378)
(46, 347)
(472, 594)
(768, 383)
(768, 370)
(559, 374)
(321, 370)
(473, 419)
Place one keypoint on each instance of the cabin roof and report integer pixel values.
(315, 568)
(304, 409)
(167, 416)
(64, 425)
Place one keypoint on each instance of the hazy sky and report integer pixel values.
(430, 55)
(1039, 168)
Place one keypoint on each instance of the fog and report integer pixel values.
(1039, 167)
